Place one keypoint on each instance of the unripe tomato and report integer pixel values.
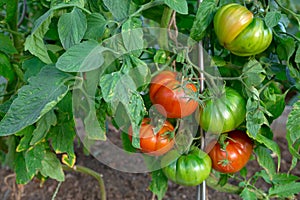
(188, 169)
(240, 32)
(223, 113)
(151, 143)
(236, 155)
(171, 97)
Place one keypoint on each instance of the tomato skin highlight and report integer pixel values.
(235, 157)
(224, 113)
(151, 143)
(240, 32)
(188, 169)
(170, 97)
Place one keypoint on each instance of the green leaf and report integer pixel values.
(136, 112)
(132, 35)
(255, 117)
(126, 143)
(253, 73)
(94, 126)
(117, 87)
(204, 17)
(159, 184)
(95, 130)
(119, 10)
(24, 143)
(51, 167)
(293, 129)
(96, 25)
(278, 178)
(34, 100)
(286, 48)
(138, 71)
(248, 194)
(32, 67)
(270, 144)
(179, 6)
(83, 57)
(281, 178)
(120, 88)
(72, 27)
(274, 102)
(6, 44)
(62, 136)
(34, 42)
(22, 174)
(285, 190)
(272, 18)
(265, 160)
(43, 126)
(34, 158)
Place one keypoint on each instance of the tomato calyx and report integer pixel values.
(223, 141)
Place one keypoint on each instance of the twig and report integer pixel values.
(56, 190)
(90, 172)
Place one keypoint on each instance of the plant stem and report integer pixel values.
(90, 172)
(12, 21)
(163, 35)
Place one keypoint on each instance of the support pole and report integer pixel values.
(201, 189)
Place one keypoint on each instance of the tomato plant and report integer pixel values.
(76, 70)
(153, 143)
(223, 113)
(231, 154)
(171, 97)
(189, 169)
(240, 32)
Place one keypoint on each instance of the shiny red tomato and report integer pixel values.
(171, 97)
(151, 143)
(236, 155)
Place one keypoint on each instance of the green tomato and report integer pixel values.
(223, 113)
(189, 169)
(241, 33)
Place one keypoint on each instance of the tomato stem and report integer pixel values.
(163, 35)
(88, 171)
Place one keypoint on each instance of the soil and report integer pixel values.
(119, 185)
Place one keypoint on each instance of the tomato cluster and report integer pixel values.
(174, 96)
(220, 115)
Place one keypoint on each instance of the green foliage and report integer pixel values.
(159, 184)
(92, 61)
(72, 27)
(204, 17)
(34, 100)
(179, 6)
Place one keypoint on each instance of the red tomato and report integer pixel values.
(236, 155)
(171, 97)
(151, 143)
